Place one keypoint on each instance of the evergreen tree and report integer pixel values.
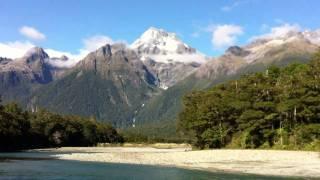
(266, 109)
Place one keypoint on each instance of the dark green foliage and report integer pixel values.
(86, 93)
(163, 131)
(14, 127)
(22, 129)
(278, 108)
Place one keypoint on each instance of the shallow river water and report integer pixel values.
(41, 165)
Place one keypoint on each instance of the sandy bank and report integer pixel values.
(264, 162)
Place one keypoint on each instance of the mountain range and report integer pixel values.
(141, 83)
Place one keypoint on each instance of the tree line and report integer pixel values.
(20, 129)
(278, 108)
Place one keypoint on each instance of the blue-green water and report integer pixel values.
(28, 165)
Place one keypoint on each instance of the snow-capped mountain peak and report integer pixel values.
(167, 56)
(162, 46)
(157, 37)
(158, 41)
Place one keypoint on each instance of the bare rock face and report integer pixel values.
(116, 61)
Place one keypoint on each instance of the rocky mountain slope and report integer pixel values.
(19, 76)
(109, 84)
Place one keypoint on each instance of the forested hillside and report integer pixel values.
(164, 108)
(24, 130)
(278, 108)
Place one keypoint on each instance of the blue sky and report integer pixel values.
(66, 25)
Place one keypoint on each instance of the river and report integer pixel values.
(41, 165)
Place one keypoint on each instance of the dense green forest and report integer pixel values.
(21, 129)
(278, 108)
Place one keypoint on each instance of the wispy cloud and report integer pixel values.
(32, 33)
(233, 5)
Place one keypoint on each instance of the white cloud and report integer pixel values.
(279, 31)
(32, 33)
(224, 35)
(14, 49)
